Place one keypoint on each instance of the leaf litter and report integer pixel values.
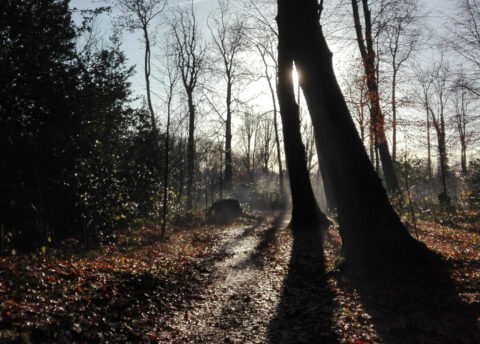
(227, 284)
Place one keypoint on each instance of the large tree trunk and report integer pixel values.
(369, 227)
(305, 213)
(371, 71)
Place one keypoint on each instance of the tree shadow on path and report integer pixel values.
(417, 304)
(305, 309)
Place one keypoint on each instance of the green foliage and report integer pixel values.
(70, 142)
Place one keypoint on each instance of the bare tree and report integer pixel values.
(463, 122)
(190, 54)
(169, 82)
(425, 84)
(402, 38)
(367, 51)
(264, 38)
(228, 34)
(369, 227)
(266, 144)
(437, 90)
(248, 132)
(466, 41)
(265, 51)
(139, 15)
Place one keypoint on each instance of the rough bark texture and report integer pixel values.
(305, 213)
(369, 226)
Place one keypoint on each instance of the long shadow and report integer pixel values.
(306, 303)
(418, 304)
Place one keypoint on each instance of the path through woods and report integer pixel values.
(250, 282)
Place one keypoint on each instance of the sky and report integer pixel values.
(438, 10)
(132, 45)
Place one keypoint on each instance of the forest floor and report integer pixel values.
(245, 283)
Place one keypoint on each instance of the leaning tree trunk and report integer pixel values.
(305, 213)
(369, 227)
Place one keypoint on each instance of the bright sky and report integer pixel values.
(438, 10)
(133, 47)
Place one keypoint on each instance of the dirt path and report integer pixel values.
(243, 292)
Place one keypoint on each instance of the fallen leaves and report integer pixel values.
(128, 293)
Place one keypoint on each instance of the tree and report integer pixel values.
(466, 41)
(139, 15)
(367, 52)
(463, 121)
(65, 126)
(190, 54)
(402, 39)
(369, 227)
(305, 212)
(228, 33)
(264, 37)
(437, 92)
(264, 51)
(171, 79)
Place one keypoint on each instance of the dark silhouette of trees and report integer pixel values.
(369, 227)
(67, 132)
(305, 213)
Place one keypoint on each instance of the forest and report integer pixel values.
(240, 171)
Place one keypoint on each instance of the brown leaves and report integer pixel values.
(140, 283)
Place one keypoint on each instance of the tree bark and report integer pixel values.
(369, 226)
(305, 213)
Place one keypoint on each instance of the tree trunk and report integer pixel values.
(190, 149)
(369, 226)
(429, 154)
(394, 113)
(166, 170)
(277, 138)
(305, 213)
(377, 119)
(228, 138)
(147, 81)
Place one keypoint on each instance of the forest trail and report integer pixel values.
(250, 282)
(243, 290)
